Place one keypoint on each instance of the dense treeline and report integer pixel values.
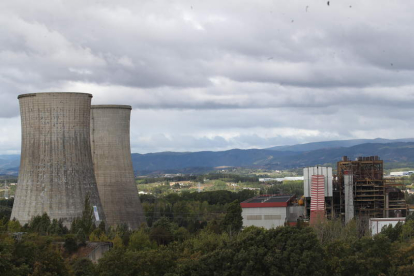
(171, 245)
(232, 177)
(53, 247)
(288, 187)
(6, 206)
(211, 197)
(191, 210)
(326, 249)
(163, 250)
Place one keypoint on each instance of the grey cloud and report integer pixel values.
(222, 74)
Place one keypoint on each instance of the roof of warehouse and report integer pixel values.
(267, 201)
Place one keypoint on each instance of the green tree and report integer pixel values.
(364, 256)
(407, 231)
(40, 224)
(6, 256)
(181, 212)
(146, 262)
(162, 232)
(140, 240)
(102, 226)
(81, 237)
(205, 242)
(220, 185)
(14, 226)
(70, 244)
(50, 263)
(255, 251)
(86, 222)
(181, 234)
(409, 217)
(33, 254)
(56, 228)
(87, 218)
(98, 235)
(233, 221)
(116, 262)
(117, 242)
(83, 267)
(392, 232)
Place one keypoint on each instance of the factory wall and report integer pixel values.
(268, 217)
(295, 212)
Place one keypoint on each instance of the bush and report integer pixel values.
(70, 244)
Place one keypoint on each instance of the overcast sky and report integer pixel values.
(216, 75)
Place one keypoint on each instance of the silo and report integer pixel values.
(111, 154)
(56, 169)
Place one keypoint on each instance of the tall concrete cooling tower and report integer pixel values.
(56, 169)
(111, 153)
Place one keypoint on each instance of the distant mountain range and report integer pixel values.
(337, 144)
(283, 157)
(9, 164)
(396, 152)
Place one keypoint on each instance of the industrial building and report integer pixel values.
(56, 169)
(325, 190)
(359, 189)
(270, 211)
(111, 152)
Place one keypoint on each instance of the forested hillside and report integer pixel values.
(400, 152)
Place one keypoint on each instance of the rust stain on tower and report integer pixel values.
(111, 152)
(56, 169)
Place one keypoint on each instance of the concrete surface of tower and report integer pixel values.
(111, 153)
(56, 169)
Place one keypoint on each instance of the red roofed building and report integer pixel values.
(270, 211)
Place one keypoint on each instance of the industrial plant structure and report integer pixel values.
(56, 169)
(359, 189)
(313, 178)
(111, 152)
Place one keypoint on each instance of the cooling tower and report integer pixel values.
(56, 169)
(111, 154)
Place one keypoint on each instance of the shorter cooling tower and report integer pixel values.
(111, 153)
(56, 170)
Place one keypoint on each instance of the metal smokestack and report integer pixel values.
(56, 169)
(111, 153)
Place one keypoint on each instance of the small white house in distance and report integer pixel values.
(405, 173)
(376, 224)
(270, 211)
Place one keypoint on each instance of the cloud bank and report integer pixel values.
(215, 75)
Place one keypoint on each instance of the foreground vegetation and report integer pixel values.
(200, 234)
